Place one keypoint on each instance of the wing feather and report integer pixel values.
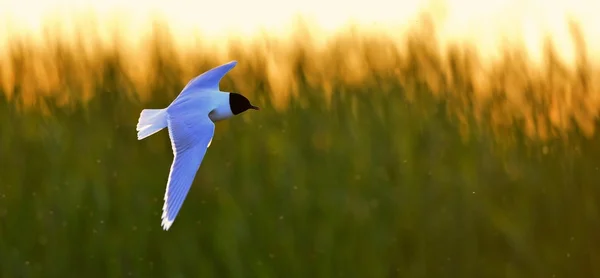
(209, 80)
(190, 138)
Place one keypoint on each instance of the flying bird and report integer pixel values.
(190, 121)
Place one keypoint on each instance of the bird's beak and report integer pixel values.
(254, 107)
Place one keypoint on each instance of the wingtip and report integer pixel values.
(166, 224)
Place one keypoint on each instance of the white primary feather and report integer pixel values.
(190, 137)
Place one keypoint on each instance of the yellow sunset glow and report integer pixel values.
(484, 23)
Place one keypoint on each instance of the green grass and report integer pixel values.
(386, 179)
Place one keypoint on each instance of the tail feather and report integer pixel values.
(151, 121)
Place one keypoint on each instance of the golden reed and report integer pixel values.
(548, 98)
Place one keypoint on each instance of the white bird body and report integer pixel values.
(222, 111)
(190, 120)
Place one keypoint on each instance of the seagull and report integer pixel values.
(190, 120)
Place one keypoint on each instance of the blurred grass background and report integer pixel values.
(370, 158)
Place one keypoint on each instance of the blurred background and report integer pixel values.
(396, 139)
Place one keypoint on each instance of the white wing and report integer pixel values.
(207, 81)
(190, 134)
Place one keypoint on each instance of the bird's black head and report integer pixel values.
(239, 103)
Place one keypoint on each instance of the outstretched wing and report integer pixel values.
(190, 137)
(210, 79)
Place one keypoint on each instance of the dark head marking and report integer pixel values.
(239, 103)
